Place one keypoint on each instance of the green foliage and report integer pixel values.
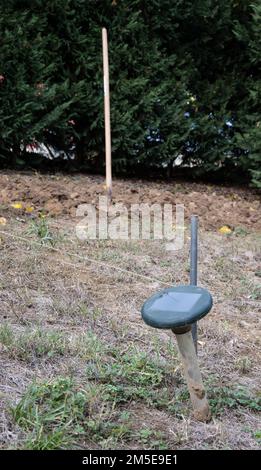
(179, 71)
(60, 413)
(40, 228)
(151, 438)
(248, 133)
(257, 435)
(32, 344)
(227, 397)
(52, 413)
(133, 367)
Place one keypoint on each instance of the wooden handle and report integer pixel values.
(107, 112)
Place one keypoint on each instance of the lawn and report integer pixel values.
(79, 368)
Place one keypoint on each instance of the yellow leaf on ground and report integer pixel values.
(17, 205)
(29, 209)
(225, 230)
(3, 221)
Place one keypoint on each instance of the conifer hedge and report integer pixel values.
(184, 83)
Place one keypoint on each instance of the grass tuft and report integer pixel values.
(32, 344)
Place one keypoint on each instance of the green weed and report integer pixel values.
(40, 228)
(32, 344)
(231, 397)
(133, 367)
(153, 439)
(257, 435)
(52, 413)
(59, 414)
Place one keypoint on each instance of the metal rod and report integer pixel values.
(194, 268)
(107, 112)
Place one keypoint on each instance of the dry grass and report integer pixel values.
(80, 369)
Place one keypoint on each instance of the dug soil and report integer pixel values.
(58, 194)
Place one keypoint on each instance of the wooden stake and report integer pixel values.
(107, 112)
(193, 376)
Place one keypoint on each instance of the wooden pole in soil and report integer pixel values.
(192, 374)
(107, 113)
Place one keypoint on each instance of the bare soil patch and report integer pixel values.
(61, 194)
